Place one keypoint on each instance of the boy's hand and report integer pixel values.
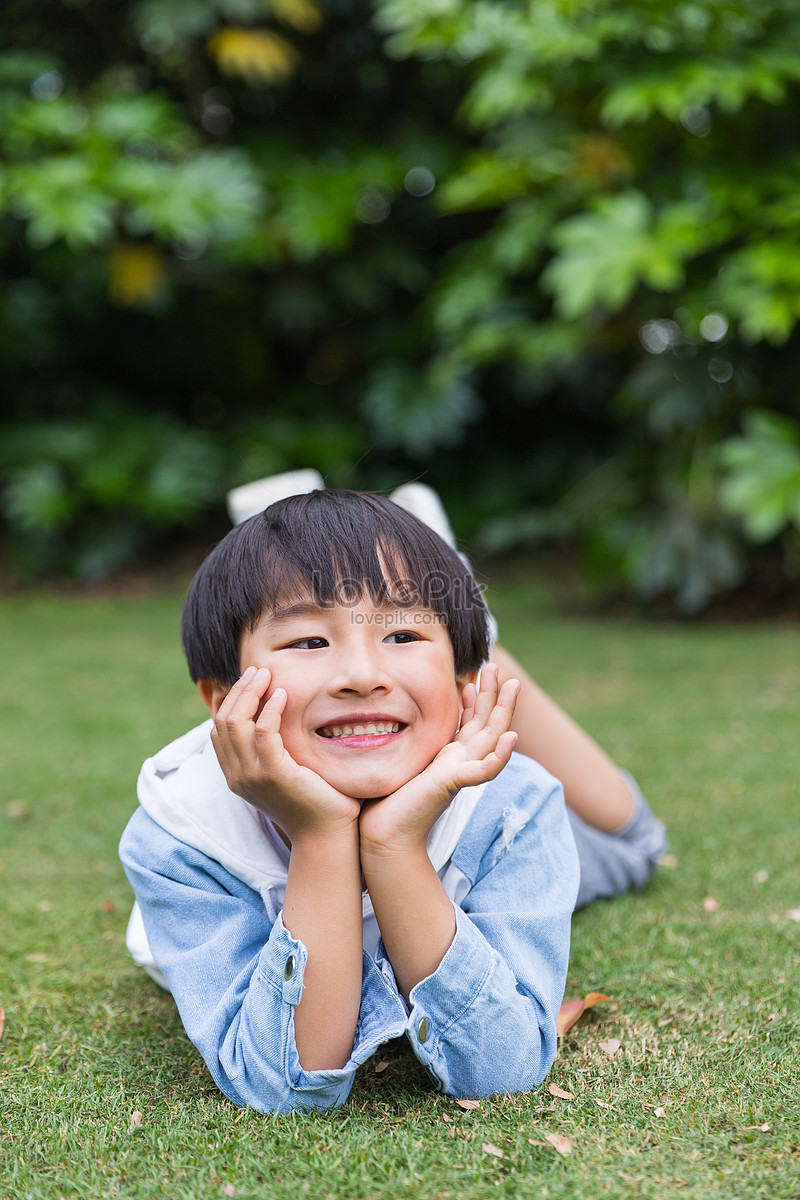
(257, 766)
(480, 750)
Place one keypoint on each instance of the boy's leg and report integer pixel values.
(615, 863)
(593, 785)
(618, 839)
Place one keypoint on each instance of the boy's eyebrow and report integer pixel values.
(302, 608)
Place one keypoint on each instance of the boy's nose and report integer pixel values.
(361, 671)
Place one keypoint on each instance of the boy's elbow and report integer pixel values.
(508, 1069)
(272, 1096)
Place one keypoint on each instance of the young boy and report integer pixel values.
(349, 851)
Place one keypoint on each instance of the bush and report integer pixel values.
(552, 249)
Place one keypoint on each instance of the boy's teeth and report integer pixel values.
(372, 729)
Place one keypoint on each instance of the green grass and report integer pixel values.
(705, 1002)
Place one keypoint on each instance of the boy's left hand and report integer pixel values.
(480, 750)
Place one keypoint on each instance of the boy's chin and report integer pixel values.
(371, 790)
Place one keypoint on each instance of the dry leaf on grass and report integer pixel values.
(610, 1047)
(560, 1143)
(571, 1010)
(555, 1090)
(793, 914)
(136, 1121)
(229, 1189)
(659, 1112)
(468, 1103)
(488, 1148)
(381, 1067)
(17, 810)
(601, 1103)
(710, 904)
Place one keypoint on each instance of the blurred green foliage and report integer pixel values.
(542, 253)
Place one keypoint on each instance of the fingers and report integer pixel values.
(493, 708)
(243, 699)
(240, 715)
(469, 695)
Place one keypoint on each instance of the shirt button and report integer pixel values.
(422, 1030)
(288, 970)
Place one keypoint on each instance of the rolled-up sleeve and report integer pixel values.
(237, 975)
(485, 1020)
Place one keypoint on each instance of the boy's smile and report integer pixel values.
(372, 691)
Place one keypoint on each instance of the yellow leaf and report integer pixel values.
(256, 54)
(610, 1047)
(136, 275)
(302, 15)
(572, 1009)
(560, 1143)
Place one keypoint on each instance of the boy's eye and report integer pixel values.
(400, 639)
(307, 643)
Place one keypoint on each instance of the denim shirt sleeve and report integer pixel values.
(485, 1021)
(236, 975)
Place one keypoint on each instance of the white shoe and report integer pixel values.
(422, 501)
(252, 498)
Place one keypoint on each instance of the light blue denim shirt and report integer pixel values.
(483, 1022)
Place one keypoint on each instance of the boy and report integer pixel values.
(351, 852)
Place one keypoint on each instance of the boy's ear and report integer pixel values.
(211, 694)
(468, 677)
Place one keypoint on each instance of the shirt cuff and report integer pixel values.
(382, 1014)
(442, 999)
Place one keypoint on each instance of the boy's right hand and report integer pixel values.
(248, 744)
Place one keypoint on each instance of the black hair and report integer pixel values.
(335, 546)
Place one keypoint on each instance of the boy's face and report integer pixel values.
(372, 692)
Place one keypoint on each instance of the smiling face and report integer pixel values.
(372, 691)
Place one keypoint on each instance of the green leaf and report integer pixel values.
(418, 411)
(484, 181)
(59, 199)
(36, 497)
(604, 254)
(761, 475)
(212, 194)
(504, 91)
(761, 286)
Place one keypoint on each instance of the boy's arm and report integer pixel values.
(413, 911)
(322, 906)
(484, 988)
(237, 975)
(322, 909)
(485, 1020)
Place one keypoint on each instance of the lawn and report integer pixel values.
(700, 1099)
